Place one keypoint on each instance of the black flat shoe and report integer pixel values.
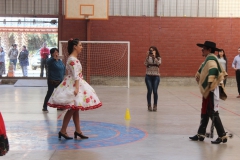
(45, 110)
(80, 135)
(64, 135)
(197, 137)
(219, 140)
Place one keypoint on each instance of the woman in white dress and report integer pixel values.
(223, 61)
(74, 93)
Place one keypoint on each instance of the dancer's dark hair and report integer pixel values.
(71, 44)
(224, 55)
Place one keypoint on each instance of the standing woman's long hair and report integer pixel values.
(155, 49)
(71, 43)
(224, 55)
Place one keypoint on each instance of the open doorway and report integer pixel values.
(29, 32)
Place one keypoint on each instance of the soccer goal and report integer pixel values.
(103, 62)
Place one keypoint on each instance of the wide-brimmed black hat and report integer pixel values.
(208, 44)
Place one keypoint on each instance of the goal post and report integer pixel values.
(103, 62)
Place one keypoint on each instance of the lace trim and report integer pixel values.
(74, 107)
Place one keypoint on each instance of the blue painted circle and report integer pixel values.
(43, 135)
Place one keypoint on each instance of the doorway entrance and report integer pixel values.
(29, 32)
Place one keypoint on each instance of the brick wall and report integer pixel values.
(175, 39)
(72, 29)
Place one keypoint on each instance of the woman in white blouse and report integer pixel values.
(223, 61)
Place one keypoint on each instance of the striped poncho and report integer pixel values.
(210, 74)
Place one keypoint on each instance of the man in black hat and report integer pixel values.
(209, 77)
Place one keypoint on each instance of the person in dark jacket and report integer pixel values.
(56, 72)
(23, 60)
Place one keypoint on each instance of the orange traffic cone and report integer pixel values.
(11, 70)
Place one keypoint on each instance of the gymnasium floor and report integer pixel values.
(161, 135)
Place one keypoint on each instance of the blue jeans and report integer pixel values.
(152, 83)
(14, 63)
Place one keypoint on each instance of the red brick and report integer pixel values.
(175, 38)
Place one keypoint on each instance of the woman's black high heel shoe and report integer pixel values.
(64, 135)
(80, 135)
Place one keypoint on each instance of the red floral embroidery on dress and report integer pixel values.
(72, 63)
(87, 100)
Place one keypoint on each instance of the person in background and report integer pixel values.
(23, 60)
(56, 72)
(152, 78)
(2, 61)
(223, 61)
(236, 67)
(74, 93)
(13, 55)
(44, 53)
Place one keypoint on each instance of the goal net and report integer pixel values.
(103, 62)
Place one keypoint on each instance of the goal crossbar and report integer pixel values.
(104, 54)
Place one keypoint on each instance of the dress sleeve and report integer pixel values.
(74, 68)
